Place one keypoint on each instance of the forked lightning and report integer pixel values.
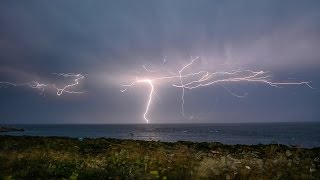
(205, 78)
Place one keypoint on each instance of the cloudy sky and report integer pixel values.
(109, 41)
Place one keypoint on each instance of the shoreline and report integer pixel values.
(30, 157)
(290, 134)
(132, 138)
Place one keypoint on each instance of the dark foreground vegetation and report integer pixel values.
(67, 158)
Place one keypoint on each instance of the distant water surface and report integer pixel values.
(302, 134)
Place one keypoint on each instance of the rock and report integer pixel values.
(215, 152)
(288, 153)
(8, 129)
(312, 170)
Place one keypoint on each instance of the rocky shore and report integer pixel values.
(8, 129)
(27, 157)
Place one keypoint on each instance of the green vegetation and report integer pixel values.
(68, 158)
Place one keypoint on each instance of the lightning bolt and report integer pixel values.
(193, 80)
(182, 85)
(150, 83)
(59, 90)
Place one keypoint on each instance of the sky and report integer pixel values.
(109, 41)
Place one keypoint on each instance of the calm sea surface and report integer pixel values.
(303, 134)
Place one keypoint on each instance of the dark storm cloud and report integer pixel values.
(110, 40)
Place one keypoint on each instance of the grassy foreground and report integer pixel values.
(68, 158)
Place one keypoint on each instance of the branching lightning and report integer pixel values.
(193, 80)
(59, 90)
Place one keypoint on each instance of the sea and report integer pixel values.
(305, 134)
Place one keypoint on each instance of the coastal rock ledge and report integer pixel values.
(8, 129)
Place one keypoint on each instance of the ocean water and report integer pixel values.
(301, 134)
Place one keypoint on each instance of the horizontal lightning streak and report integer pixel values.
(59, 91)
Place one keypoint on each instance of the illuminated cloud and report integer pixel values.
(109, 41)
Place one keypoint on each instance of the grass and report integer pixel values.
(69, 158)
